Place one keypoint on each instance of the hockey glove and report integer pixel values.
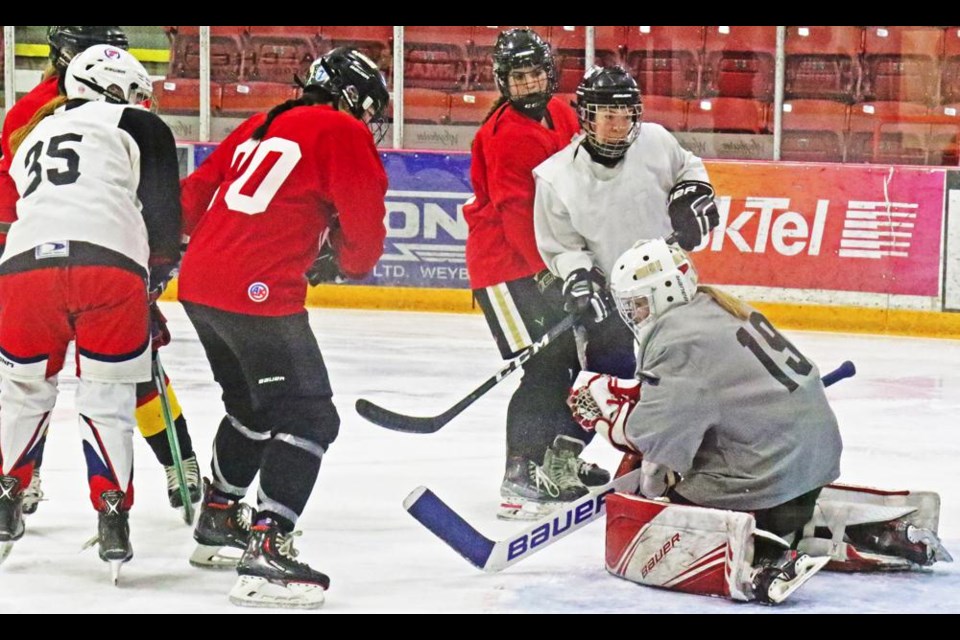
(585, 293)
(693, 212)
(159, 333)
(160, 277)
(325, 267)
(656, 479)
(603, 403)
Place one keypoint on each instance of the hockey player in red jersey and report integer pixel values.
(96, 233)
(65, 43)
(256, 211)
(520, 299)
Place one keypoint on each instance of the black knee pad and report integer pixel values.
(312, 418)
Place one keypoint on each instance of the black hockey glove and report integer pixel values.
(160, 276)
(585, 293)
(325, 267)
(693, 212)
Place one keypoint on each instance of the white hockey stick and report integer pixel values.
(496, 555)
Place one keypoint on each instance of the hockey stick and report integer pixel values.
(495, 555)
(171, 428)
(430, 424)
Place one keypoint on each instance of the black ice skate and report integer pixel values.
(113, 532)
(530, 491)
(220, 526)
(590, 474)
(191, 472)
(773, 582)
(11, 515)
(270, 575)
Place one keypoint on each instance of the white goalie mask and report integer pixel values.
(648, 279)
(104, 73)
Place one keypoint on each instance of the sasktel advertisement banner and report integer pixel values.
(834, 227)
(827, 227)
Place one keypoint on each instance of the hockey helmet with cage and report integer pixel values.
(524, 49)
(354, 82)
(607, 91)
(650, 278)
(67, 42)
(103, 73)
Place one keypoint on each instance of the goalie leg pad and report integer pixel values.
(915, 513)
(680, 547)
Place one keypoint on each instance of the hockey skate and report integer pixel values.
(220, 526)
(11, 515)
(899, 538)
(113, 532)
(590, 474)
(33, 494)
(773, 582)
(270, 575)
(530, 491)
(191, 472)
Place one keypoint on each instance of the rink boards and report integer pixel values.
(818, 246)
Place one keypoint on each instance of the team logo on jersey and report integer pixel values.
(52, 250)
(258, 292)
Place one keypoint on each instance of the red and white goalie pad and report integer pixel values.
(603, 403)
(842, 506)
(680, 547)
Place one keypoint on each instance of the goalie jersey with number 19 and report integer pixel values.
(733, 406)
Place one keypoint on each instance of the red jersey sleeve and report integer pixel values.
(358, 187)
(198, 188)
(511, 189)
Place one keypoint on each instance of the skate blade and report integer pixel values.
(252, 591)
(115, 571)
(5, 549)
(213, 557)
(780, 590)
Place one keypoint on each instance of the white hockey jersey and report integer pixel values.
(97, 173)
(586, 214)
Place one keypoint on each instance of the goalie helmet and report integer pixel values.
(524, 49)
(353, 80)
(610, 110)
(67, 42)
(103, 73)
(648, 279)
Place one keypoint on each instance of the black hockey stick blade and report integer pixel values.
(430, 424)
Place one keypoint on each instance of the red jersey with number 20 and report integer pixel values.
(270, 201)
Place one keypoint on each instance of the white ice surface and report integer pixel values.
(898, 417)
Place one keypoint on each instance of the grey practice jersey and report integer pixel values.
(586, 214)
(738, 410)
(98, 173)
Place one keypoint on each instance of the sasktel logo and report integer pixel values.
(870, 229)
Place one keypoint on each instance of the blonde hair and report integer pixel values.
(17, 137)
(727, 301)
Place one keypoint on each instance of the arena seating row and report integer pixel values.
(848, 64)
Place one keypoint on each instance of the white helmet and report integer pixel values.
(649, 278)
(106, 73)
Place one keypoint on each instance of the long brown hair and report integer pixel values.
(311, 95)
(17, 137)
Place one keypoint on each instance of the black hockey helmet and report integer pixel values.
(609, 89)
(522, 49)
(66, 42)
(352, 81)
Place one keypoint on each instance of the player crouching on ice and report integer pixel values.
(738, 444)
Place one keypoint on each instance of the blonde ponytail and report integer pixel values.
(727, 301)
